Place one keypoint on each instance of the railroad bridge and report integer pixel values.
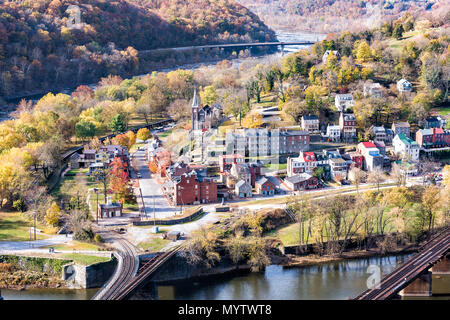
(233, 46)
(414, 277)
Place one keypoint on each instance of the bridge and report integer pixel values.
(233, 46)
(128, 277)
(414, 276)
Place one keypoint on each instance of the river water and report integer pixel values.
(329, 281)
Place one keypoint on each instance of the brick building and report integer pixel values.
(190, 188)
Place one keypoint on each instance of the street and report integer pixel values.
(155, 203)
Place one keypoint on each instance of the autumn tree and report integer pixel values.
(52, 215)
(143, 134)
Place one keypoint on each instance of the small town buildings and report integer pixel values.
(381, 134)
(109, 209)
(327, 53)
(241, 171)
(264, 142)
(190, 188)
(347, 123)
(338, 168)
(243, 189)
(302, 181)
(285, 141)
(227, 161)
(86, 158)
(401, 127)
(204, 117)
(404, 85)
(265, 187)
(434, 122)
(344, 101)
(406, 147)
(306, 162)
(372, 157)
(96, 166)
(372, 90)
(333, 132)
(380, 146)
(310, 123)
(357, 159)
(435, 138)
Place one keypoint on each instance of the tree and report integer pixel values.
(376, 177)
(363, 52)
(237, 248)
(430, 203)
(52, 214)
(252, 120)
(143, 134)
(85, 129)
(209, 95)
(117, 124)
(357, 177)
(398, 31)
(101, 175)
(179, 109)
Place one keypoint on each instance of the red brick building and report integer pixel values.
(189, 188)
(265, 187)
(227, 161)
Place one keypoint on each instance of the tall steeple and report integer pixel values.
(195, 100)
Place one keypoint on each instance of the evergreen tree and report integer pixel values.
(117, 124)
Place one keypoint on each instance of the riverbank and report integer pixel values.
(314, 259)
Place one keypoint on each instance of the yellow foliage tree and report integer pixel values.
(253, 120)
(52, 214)
(144, 134)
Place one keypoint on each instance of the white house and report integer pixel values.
(310, 123)
(243, 189)
(334, 132)
(344, 101)
(372, 90)
(406, 146)
(404, 85)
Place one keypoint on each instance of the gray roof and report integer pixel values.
(262, 181)
(299, 178)
(311, 117)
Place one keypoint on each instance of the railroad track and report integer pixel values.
(428, 255)
(145, 271)
(125, 271)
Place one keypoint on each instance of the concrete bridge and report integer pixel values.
(414, 277)
(247, 45)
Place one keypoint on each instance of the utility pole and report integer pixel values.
(34, 225)
(154, 214)
(96, 192)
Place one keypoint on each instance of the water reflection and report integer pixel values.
(338, 280)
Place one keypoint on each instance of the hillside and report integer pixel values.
(327, 16)
(42, 46)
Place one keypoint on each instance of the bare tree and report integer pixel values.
(358, 176)
(377, 177)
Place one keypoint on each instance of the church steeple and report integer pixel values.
(195, 100)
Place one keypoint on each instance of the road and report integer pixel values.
(156, 204)
(26, 246)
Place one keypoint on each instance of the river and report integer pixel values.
(337, 280)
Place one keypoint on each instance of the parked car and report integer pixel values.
(139, 176)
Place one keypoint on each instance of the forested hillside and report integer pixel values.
(339, 15)
(43, 44)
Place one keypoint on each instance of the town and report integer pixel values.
(336, 151)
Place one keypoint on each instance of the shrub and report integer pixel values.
(98, 238)
(19, 205)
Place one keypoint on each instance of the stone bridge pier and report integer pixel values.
(435, 281)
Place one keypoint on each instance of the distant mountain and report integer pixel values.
(327, 16)
(45, 43)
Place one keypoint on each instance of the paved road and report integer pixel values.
(151, 190)
(14, 246)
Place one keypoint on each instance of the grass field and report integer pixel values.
(15, 226)
(154, 245)
(84, 259)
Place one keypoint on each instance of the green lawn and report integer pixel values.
(154, 245)
(443, 111)
(165, 134)
(84, 259)
(15, 226)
